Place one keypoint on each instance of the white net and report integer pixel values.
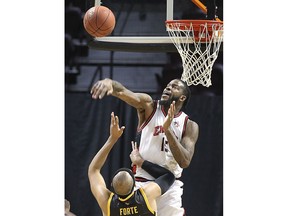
(198, 47)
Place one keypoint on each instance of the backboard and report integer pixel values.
(143, 43)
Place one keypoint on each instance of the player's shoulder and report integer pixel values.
(189, 119)
(192, 129)
(192, 122)
(151, 189)
(144, 97)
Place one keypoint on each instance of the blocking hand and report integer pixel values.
(101, 88)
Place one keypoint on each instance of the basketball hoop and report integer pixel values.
(198, 43)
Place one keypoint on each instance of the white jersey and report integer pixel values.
(154, 146)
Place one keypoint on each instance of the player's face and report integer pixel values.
(172, 92)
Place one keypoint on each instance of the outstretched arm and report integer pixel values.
(111, 87)
(97, 183)
(141, 101)
(184, 151)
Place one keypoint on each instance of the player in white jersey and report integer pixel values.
(153, 140)
(170, 145)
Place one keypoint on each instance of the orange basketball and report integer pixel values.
(99, 21)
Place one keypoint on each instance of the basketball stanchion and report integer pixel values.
(198, 43)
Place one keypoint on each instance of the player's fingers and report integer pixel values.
(172, 106)
(170, 112)
(98, 90)
(103, 90)
(132, 144)
(92, 89)
(102, 94)
(116, 120)
(95, 90)
(112, 118)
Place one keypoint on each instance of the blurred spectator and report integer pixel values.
(73, 21)
(67, 209)
(69, 50)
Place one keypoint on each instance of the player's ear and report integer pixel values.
(111, 187)
(182, 98)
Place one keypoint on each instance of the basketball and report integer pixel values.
(99, 21)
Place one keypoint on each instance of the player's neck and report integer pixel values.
(177, 109)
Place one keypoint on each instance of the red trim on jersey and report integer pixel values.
(149, 118)
(185, 124)
(178, 114)
(134, 168)
(141, 179)
(163, 111)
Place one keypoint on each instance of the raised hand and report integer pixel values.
(170, 116)
(135, 155)
(115, 131)
(101, 88)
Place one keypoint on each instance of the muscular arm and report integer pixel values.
(141, 101)
(97, 183)
(163, 177)
(183, 152)
(137, 100)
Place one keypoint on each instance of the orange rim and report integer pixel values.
(197, 25)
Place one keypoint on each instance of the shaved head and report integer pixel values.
(123, 183)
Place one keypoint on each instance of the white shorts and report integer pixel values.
(170, 203)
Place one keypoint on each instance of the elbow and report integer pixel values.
(90, 171)
(186, 160)
(184, 163)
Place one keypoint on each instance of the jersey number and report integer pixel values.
(164, 145)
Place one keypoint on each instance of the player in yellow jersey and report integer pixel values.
(123, 199)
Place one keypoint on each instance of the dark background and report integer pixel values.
(87, 120)
(87, 128)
